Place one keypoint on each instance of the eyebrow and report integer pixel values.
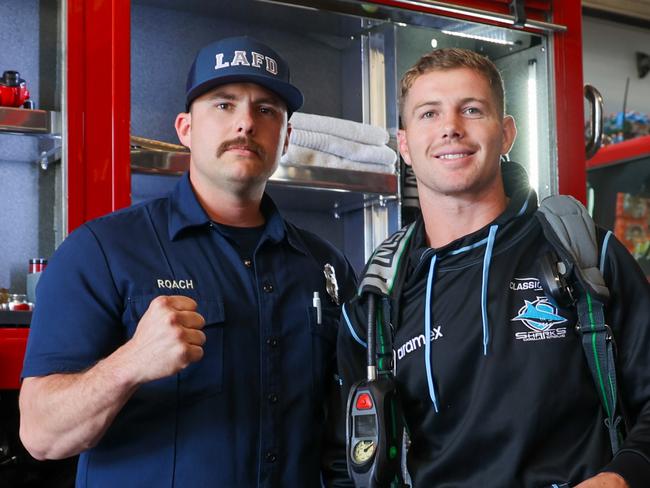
(265, 100)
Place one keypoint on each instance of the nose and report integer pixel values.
(246, 121)
(451, 126)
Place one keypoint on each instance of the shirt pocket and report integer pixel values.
(205, 377)
(323, 340)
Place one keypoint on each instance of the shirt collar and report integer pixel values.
(185, 211)
(184, 208)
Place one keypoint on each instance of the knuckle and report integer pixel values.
(160, 301)
(188, 354)
(173, 318)
(177, 334)
(196, 353)
(199, 320)
(181, 353)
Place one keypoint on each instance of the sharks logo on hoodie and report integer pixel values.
(541, 318)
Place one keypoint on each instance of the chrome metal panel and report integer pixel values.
(28, 121)
(154, 157)
(375, 228)
(61, 186)
(369, 9)
(376, 78)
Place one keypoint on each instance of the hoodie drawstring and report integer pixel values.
(487, 258)
(484, 287)
(427, 334)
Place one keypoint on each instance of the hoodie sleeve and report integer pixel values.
(351, 347)
(628, 313)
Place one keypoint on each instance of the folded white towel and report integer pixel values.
(347, 129)
(345, 148)
(302, 156)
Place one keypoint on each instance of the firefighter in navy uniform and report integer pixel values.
(494, 385)
(176, 342)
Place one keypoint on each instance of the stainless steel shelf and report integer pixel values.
(29, 122)
(153, 157)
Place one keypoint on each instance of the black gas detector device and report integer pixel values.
(375, 425)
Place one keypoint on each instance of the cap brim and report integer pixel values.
(286, 91)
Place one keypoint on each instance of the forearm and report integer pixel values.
(632, 462)
(65, 414)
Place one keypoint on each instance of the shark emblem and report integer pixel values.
(539, 315)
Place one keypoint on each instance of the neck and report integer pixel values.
(447, 218)
(229, 208)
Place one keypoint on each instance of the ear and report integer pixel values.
(403, 146)
(509, 134)
(183, 126)
(286, 139)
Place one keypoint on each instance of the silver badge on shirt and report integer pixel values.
(331, 284)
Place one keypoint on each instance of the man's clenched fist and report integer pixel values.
(167, 339)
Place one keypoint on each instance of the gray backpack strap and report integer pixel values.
(570, 222)
(572, 232)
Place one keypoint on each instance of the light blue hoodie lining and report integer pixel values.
(470, 247)
(603, 251)
(354, 334)
(524, 206)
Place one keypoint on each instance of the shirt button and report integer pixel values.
(248, 263)
(272, 341)
(273, 398)
(271, 457)
(268, 287)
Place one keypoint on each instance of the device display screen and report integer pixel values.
(364, 426)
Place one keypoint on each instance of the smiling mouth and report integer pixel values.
(454, 155)
(451, 156)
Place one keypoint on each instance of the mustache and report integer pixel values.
(245, 142)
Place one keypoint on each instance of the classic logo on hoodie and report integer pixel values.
(539, 315)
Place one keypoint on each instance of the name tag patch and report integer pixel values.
(175, 284)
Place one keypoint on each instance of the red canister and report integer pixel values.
(37, 265)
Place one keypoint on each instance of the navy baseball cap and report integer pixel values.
(241, 59)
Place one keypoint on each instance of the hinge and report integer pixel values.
(518, 11)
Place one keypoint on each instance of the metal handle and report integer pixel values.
(595, 100)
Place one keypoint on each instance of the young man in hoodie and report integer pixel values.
(495, 387)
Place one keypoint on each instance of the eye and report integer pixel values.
(223, 105)
(472, 111)
(267, 110)
(429, 114)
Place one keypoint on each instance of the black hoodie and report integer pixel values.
(501, 394)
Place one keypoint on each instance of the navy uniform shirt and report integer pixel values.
(252, 411)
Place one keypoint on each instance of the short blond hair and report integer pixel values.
(454, 58)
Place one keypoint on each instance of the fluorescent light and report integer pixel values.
(478, 37)
(533, 144)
